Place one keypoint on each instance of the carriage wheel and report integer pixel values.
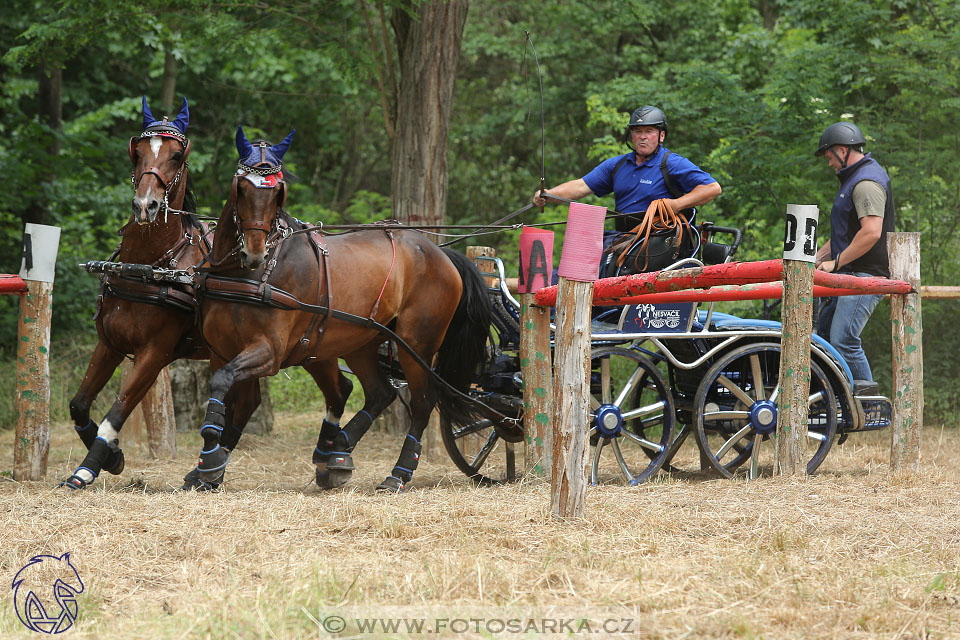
(735, 411)
(681, 430)
(631, 416)
(478, 451)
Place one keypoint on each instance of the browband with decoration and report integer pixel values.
(164, 131)
(260, 171)
(261, 180)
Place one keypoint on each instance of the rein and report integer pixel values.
(255, 292)
(484, 229)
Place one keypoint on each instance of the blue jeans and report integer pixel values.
(842, 319)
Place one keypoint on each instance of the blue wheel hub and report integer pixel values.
(608, 420)
(763, 417)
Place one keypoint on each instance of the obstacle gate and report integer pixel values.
(793, 279)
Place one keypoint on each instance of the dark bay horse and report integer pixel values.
(269, 269)
(152, 323)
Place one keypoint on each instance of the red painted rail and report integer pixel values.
(10, 284)
(731, 293)
(732, 276)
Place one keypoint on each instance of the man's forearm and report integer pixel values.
(699, 195)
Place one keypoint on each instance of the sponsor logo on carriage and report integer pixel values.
(45, 593)
(650, 316)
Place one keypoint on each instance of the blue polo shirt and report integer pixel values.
(635, 186)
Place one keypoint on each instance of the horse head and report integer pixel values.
(159, 157)
(260, 195)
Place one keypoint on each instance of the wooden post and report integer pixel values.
(904, 251)
(579, 264)
(40, 247)
(799, 252)
(484, 266)
(793, 401)
(473, 443)
(536, 266)
(537, 373)
(568, 485)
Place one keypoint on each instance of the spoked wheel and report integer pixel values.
(631, 416)
(735, 411)
(476, 448)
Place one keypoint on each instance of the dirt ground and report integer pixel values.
(848, 553)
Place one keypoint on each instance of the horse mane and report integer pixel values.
(190, 204)
(226, 227)
(189, 196)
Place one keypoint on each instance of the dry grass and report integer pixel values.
(849, 553)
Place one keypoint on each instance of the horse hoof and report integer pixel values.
(323, 476)
(193, 482)
(333, 478)
(74, 483)
(340, 462)
(115, 462)
(212, 464)
(392, 484)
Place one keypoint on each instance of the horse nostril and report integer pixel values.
(136, 207)
(153, 208)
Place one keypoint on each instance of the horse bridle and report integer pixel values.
(275, 232)
(166, 132)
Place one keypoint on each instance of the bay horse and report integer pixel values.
(270, 271)
(153, 323)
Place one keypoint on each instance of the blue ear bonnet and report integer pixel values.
(177, 128)
(261, 158)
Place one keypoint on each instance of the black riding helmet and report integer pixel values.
(845, 133)
(648, 116)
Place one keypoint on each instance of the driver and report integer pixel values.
(647, 173)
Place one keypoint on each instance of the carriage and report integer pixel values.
(658, 372)
(661, 372)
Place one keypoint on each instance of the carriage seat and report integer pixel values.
(727, 322)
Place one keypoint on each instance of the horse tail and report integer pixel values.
(464, 349)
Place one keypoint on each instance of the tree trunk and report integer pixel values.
(168, 88)
(428, 51)
(190, 381)
(50, 112)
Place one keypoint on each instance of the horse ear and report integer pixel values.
(244, 148)
(183, 118)
(148, 118)
(280, 149)
(132, 149)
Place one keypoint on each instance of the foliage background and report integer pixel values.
(747, 85)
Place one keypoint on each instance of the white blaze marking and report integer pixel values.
(155, 143)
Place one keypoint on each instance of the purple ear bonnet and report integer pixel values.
(261, 158)
(177, 128)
